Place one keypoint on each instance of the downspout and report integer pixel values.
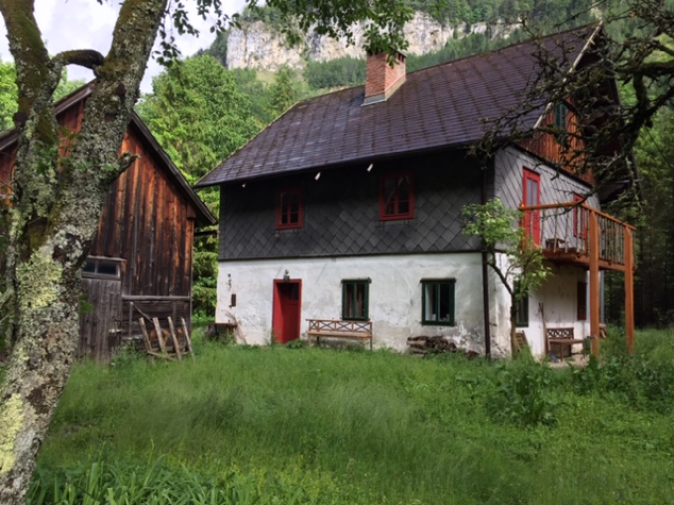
(485, 278)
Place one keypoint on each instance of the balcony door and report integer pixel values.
(531, 186)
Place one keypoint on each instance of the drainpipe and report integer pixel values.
(485, 279)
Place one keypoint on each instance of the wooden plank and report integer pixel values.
(160, 336)
(146, 336)
(629, 292)
(174, 337)
(594, 284)
(188, 340)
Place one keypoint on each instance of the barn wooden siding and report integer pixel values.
(147, 227)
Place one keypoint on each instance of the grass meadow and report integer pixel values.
(244, 425)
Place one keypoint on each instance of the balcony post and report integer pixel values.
(594, 283)
(629, 292)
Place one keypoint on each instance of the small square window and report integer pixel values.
(102, 267)
(289, 208)
(437, 301)
(396, 197)
(355, 299)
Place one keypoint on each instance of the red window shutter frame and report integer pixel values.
(283, 209)
(532, 219)
(579, 220)
(396, 214)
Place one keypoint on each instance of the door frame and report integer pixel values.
(276, 306)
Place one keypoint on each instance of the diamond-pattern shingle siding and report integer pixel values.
(341, 212)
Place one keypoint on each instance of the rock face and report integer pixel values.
(260, 47)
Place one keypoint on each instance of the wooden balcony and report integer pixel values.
(562, 230)
(576, 234)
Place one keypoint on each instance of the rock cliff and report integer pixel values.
(257, 45)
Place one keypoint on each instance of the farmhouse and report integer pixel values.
(140, 263)
(344, 215)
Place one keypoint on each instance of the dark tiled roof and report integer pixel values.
(437, 107)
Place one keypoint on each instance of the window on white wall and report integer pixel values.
(437, 301)
(355, 299)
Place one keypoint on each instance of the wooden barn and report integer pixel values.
(140, 263)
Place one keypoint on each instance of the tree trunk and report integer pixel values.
(56, 210)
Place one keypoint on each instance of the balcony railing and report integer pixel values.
(563, 231)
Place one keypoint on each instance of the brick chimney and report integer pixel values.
(382, 80)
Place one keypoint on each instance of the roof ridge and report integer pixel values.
(509, 46)
(593, 24)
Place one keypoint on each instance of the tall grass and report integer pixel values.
(345, 427)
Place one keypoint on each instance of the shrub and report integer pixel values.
(523, 394)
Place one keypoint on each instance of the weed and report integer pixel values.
(523, 394)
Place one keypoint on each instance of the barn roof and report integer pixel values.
(447, 105)
(204, 216)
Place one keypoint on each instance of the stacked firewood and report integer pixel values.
(423, 345)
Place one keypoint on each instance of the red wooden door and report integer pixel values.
(287, 310)
(531, 186)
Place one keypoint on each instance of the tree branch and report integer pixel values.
(87, 58)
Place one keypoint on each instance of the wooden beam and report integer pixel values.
(594, 283)
(629, 292)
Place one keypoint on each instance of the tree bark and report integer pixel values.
(56, 210)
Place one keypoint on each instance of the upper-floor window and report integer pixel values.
(561, 118)
(289, 208)
(396, 197)
(437, 301)
(355, 299)
(531, 189)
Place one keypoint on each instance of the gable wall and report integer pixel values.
(555, 187)
(341, 212)
(146, 213)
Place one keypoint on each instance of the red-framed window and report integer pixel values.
(581, 299)
(396, 196)
(289, 208)
(531, 195)
(579, 219)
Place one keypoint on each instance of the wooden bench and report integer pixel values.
(354, 330)
(561, 337)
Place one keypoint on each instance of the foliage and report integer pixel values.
(334, 73)
(358, 428)
(197, 114)
(284, 92)
(523, 394)
(497, 226)
(8, 97)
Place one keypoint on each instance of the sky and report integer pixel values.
(85, 24)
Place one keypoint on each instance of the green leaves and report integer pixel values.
(498, 227)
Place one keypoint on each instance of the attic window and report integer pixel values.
(561, 120)
(396, 197)
(289, 208)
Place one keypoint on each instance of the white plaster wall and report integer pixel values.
(558, 295)
(395, 294)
